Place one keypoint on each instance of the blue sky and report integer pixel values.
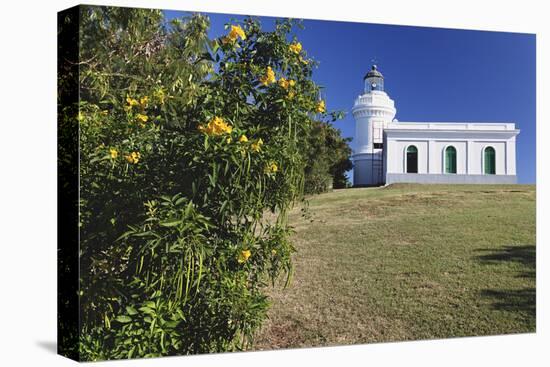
(432, 74)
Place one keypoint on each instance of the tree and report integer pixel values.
(328, 159)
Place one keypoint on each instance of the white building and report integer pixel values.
(389, 151)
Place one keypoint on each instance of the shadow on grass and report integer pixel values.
(524, 254)
(513, 300)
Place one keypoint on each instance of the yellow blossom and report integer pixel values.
(283, 83)
(114, 153)
(320, 107)
(243, 139)
(269, 77)
(273, 252)
(216, 126)
(256, 146)
(144, 101)
(235, 32)
(141, 117)
(291, 82)
(295, 47)
(80, 116)
(243, 256)
(133, 157)
(271, 168)
(132, 102)
(228, 140)
(291, 94)
(303, 61)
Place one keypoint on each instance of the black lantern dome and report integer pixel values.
(374, 80)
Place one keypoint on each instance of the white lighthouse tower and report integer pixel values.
(372, 111)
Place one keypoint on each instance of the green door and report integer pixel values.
(450, 159)
(412, 159)
(489, 159)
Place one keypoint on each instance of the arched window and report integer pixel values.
(412, 159)
(489, 161)
(450, 159)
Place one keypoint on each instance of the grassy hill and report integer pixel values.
(408, 262)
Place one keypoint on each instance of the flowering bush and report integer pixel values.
(179, 165)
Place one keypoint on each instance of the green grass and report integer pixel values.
(408, 262)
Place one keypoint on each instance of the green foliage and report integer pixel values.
(186, 144)
(328, 159)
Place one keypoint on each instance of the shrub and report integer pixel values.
(185, 144)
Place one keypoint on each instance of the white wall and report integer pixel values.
(470, 158)
(437, 156)
(372, 112)
(477, 156)
(396, 159)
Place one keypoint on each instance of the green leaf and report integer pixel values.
(130, 310)
(171, 324)
(131, 352)
(123, 319)
(107, 322)
(147, 310)
(171, 223)
(150, 304)
(180, 200)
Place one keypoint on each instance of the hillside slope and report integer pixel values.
(408, 262)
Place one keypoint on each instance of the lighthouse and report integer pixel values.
(373, 111)
(389, 152)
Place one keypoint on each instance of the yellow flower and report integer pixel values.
(141, 117)
(243, 139)
(243, 256)
(144, 101)
(291, 82)
(320, 107)
(80, 116)
(131, 101)
(216, 126)
(303, 61)
(256, 146)
(235, 32)
(291, 94)
(133, 157)
(114, 153)
(295, 47)
(273, 252)
(228, 140)
(269, 77)
(271, 168)
(283, 83)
